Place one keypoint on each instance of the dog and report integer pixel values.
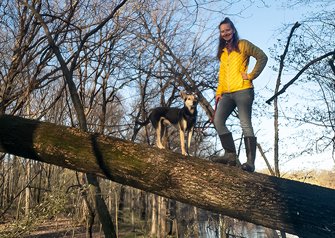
(184, 119)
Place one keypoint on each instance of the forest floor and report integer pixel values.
(65, 228)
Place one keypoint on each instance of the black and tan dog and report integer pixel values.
(182, 118)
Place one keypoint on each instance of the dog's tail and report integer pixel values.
(146, 122)
(136, 130)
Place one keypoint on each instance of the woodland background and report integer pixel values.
(101, 65)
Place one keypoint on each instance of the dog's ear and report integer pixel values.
(182, 94)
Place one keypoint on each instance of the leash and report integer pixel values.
(216, 104)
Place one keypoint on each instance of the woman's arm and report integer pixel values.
(261, 60)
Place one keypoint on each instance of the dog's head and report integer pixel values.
(190, 101)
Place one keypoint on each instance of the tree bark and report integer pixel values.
(27, 206)
(162, 216)
(294, 207)
(154, 215)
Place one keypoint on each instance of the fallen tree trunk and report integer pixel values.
(294, 207)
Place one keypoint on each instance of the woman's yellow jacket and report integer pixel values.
(232, 65)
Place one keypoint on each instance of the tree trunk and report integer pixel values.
(223, 226)
(162, 216)
(143, 205)
(100, 205)
(27, 203)
(294, 207)
(173, 218)
(195, 223)
(159, 217)
(121, 202)
(3, 179)
(116, 214)
(154, 215)
(132, 209)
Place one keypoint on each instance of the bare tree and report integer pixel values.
(276, 129)
(311, 59)
(23, 66)
(68, 75)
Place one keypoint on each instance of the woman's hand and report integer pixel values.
(244, 76)
(218, 97)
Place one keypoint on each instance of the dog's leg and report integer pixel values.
(182, 141)
(159, 135)
(189, 137)
(164, 123)
(163, 135)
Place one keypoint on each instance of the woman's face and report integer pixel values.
(226, 32)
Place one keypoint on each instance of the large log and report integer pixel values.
(294, 207)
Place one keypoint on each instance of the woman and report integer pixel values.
(235, 89)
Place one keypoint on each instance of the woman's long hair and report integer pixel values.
(223, 42)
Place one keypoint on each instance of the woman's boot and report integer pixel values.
(250, 147)
(228, 145)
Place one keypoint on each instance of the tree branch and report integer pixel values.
(298, 75)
